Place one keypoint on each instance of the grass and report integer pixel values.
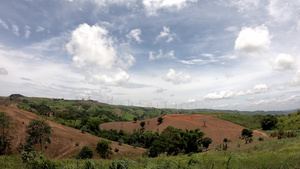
(283, 153)
(247, 121)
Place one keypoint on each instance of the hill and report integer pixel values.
(215, 128)
(63, 140)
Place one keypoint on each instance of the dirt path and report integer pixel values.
(261, 133)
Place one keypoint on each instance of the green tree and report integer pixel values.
(142, 124)
(5, 138)
(160, 120)
(247, 132)
(269, 122)
(103, 148)
(135, 119)
(206, 142)
(85, 152)
(39, 133)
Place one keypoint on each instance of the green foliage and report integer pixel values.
(39, 132)
(289, 122)
(103, 148)
(269, 122)
(142, 124)
(206, 142)
(159, 120)
(135, 119)
(85, 153)
(5, 138)
(247, 133)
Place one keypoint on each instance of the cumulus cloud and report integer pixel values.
(152, 6)
(177, 78)
(27, 32)
(94, 53)
(243, 5)
(283, 62)
(3, 24)
(253, 40)
(134, 34)
(296, 78)
(260, 88)
(220, 95)
(3, 71)
(166, 34)
(160, 55)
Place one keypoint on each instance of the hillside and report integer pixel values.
(63, 140)
(216, 128)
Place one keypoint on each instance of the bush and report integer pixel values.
(86, 152)
(160, 120)
(103, 148)
(269, 122)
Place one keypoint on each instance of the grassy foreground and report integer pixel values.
(284, 153)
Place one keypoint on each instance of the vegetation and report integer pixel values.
(269, 122)
(283, 153)
(39, 133)
(103, 148)
(5, 138)
(159, 120)
(85, 153)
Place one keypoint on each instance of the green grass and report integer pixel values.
(247, 121)
(289, 122)
(283, 153)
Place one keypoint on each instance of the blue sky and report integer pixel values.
(220, 54)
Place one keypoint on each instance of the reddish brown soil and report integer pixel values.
(217, 129)
(63, 140)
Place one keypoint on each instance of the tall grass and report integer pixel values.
(283, 153)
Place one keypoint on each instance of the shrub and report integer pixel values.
(103, 148)
(142, 124)
(160, 120)
(86, 152)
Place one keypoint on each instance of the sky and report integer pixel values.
(184, 54)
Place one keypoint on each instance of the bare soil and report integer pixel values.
(63, 139)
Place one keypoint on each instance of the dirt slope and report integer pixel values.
(217, 129)
(63, 140)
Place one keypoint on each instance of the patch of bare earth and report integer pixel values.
(63, 139)
(215, 128)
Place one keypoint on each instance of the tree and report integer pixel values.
(135, 119)
(206, 142)
(103, 148)
(247, 132)
(142, 124)
(269, 122)
(247, 135)
(160, 120)
(85, 152)
(39, 132)
(5, 138)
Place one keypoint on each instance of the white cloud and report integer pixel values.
(152, 6)
(296, 78)
(3, 71)
(94, 53)
(166, 34)
(260, 88)
(281, 10)
(242, 5)
(253, 40)
(134, 34)
(177, 78)
(3, 24)
(283, 62)
(27, 32)
(15, 29)
(40, 29)
(170, 55)
(220, 95)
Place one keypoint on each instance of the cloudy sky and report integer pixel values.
(220, 54)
